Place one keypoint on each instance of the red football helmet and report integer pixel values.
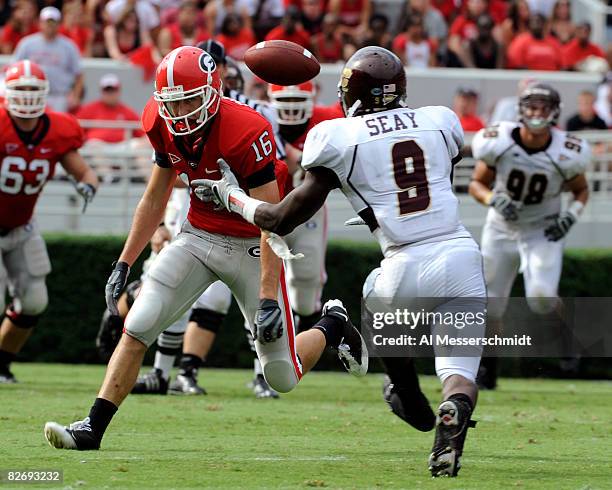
(26, 90)
(293, 103)
(188, 89)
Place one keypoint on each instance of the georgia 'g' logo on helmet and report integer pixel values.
(293, 103)
(372, 80)
(539, 106)
(26, 89)
(188, 89)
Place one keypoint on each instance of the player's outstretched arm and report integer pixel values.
(282, 218)
(299, 205)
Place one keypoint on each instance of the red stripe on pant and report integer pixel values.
(289, 321)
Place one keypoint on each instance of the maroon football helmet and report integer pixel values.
(372, 80)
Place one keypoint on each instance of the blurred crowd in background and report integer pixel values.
(494, 34)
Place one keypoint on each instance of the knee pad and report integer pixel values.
(542, 304)
(142, 320)
(34, 298)
(280, 365)
(207, 319)
(21, 320)
(280, 374)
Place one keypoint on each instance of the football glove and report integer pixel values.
(219, 191)
(560, 227)
(87, 192)
(268, 321)
(356, 221)
(115, 284)
(505, 206)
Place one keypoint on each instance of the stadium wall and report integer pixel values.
(81, 265)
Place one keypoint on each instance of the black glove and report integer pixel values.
(560, 227)
(87, 192)
(505, 206)
(115, 284)
(268, 321)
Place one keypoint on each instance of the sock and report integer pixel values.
(463, 398)
(165, 363)
(190, 363)
(6, 358)
(100, 415)
(307, 321)
(257, 367)
(402, 372)
(331, 327)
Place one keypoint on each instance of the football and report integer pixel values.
(282, 62)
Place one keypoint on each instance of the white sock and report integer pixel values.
(257, 366)
(165, 363)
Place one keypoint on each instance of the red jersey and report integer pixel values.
(573, 53)
(178, 40)
(97, 110)
(27, 162)
(239, 135)
(534, 54)
(236, 46)
(299, 36)
(79, 34)
(320, 113)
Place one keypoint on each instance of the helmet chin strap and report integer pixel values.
(353, 108)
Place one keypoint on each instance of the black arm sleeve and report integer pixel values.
(262, 176)
(162, 160)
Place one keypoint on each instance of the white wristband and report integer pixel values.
(244, 205)
(575, 209)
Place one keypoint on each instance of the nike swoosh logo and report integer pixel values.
(45, 150)
(210, 171)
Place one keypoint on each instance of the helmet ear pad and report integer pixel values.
(372, 80)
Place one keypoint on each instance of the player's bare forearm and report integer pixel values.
(74, 164)
(149, 213)
(299, 205)
(579, 188)
(480, 185)
(270, 263)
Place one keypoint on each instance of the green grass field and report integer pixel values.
(333, 431)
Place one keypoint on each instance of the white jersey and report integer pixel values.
(534, 178)
(395, 168)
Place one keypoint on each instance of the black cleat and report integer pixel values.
(186, 383)
(6, 377)
(261, 388)
(79, 435)
(486, 379)
(352, 349)
(409, 405)
(452, 423)
(152, 383)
